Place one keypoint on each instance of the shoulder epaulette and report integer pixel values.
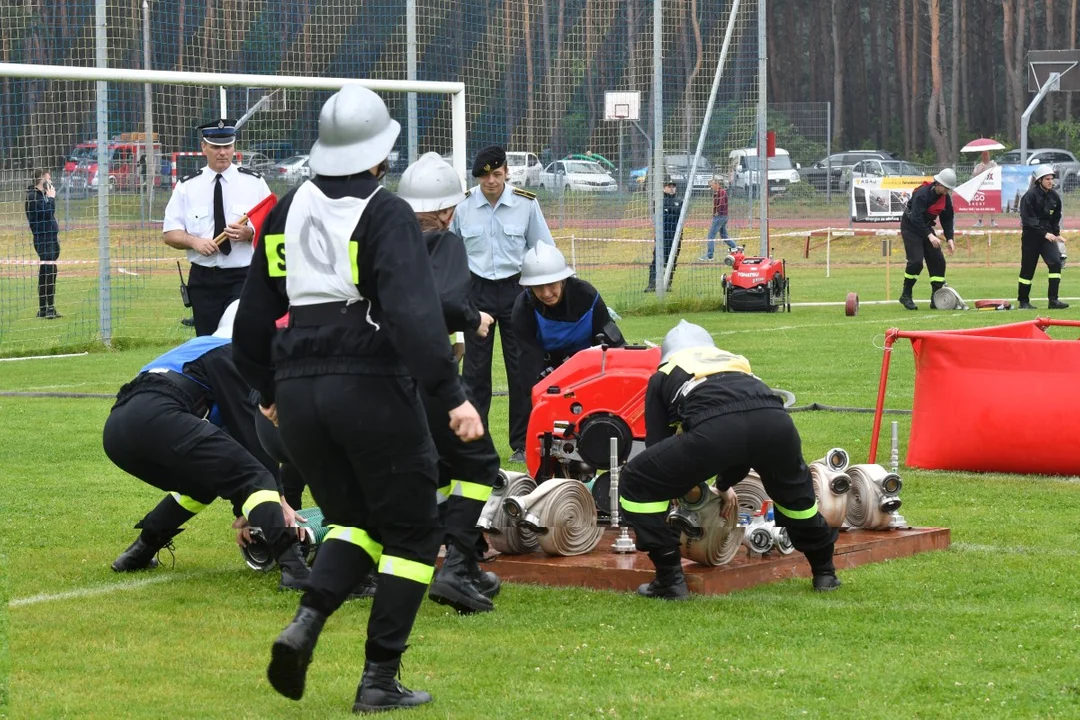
(524, 193)
(248, 171)
(188, 177)
(468, 193)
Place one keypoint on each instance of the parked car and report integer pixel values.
(294, 170)
(524, 168)
(1065, 164)
(835, 168)
(126, 164)
(580, 175)
(882, 168)
(257, 161)
(781, 173)
(677, 168)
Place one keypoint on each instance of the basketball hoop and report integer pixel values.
(622, 106)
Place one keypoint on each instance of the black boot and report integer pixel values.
(1023, 295)
(452, 586)
(140, 555)
(367, 586)
(488, 583)
(1056, 304)
(826, 582)
(907, 302)
(821, 564)
(294, 571)
(670, 584)
(380, 689)
(291, 652)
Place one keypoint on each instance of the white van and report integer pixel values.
(524, 169)
(744, 166)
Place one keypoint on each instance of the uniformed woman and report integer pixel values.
(1040, 216)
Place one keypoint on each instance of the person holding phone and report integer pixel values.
(41, 214)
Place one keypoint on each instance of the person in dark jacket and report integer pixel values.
(672, 210)
(41, 214)
(1040, 216)
(929, 202)
(186, 425)
(556, 316)
(728, 422)
(346, 259)
(467, 471)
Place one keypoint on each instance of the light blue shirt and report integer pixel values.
(496, 238)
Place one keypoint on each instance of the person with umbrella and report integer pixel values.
(983, 146)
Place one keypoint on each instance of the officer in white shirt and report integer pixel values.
(204, 206)
(498, 223)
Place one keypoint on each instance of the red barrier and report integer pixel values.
(996, 399)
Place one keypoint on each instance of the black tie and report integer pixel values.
(219, 217)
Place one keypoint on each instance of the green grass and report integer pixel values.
(990, 627)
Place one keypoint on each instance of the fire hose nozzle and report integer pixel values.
(837, 459)
(685, 521)
(840, 484)
(889, 504)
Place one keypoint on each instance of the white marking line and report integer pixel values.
(43, 357)
(122, 271)
(103, 589)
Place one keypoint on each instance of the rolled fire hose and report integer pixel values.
(706, 537)
(751, 493)
(873, 497)
(257, 553)
(831, 486)
(505, 535)
(561, 513)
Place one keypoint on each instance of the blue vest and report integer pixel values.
(178, 357)
(564, 336)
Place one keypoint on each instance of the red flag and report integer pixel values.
(258, 214)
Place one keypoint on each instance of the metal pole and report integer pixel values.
(148, 110)
(104, 289)
(1052, 83)
(657, 189)
(828, 153)
(224, 103)
(457, 123)
(762, 126)
(410, 98)
(705, 121)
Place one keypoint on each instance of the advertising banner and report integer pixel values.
(882, 199)
(997, 190)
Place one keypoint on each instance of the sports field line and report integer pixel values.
(105, 589)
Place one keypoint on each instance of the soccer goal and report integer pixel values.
(114, 143)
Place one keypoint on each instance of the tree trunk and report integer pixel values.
(916, 86)
(879, 43)
(965, 80)
(935, 109)
(954, 90)
(530, 90)
(838, 74)
(1072, 46)
(1009, 37)
(1019, 66)
(1051, 41)
(688, 92)
(905, 91)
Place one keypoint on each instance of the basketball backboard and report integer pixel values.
(622, 106)
(1041, 63)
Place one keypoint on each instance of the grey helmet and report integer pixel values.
(430, 184)
(682, 337)
(1042, 171)
(946, 178)
(544, 264)
(356, 133)
(225, 325)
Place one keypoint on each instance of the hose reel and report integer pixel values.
(561, 514)
(832, 486)
(505, 535)
(706, 537)
(874, 497)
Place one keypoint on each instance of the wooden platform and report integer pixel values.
(605, 570)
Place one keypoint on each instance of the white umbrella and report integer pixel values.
(981, 145)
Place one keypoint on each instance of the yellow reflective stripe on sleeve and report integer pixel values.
(796, 514)
(258, 498)
(357, 537)
(1025, 281)
(188, 503)
(643, 508)
(275, 254)
(471, 490)
(407, 569)
(354, 267)
(1054, 275)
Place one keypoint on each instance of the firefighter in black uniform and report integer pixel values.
(728, 422)
(347, 260)
(1040, 216)
(929, 201)
(672, 211)
(467, 471)
(556, 316)
(159, 432)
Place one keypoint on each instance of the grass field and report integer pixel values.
(989, 628)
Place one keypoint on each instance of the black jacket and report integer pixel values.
(576, 300)
(450, 266)
(924, 208)
(41, 214)
(1040, 212)
(672, 210)
(395, 277)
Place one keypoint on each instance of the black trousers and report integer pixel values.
(668, 242)
(292, 482)
(496, 297)
(210, 290)
(917, 247)
(1034, 245)
(727, 446)
(467, 472)
(48, 251)
(362, 443)
(154, 437)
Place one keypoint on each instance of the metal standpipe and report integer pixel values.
(655, 174)
(623, 543)
(104, 170)
(763, 126)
